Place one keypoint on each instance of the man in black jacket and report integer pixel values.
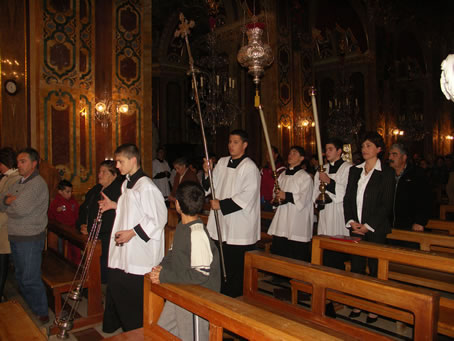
(412, 194)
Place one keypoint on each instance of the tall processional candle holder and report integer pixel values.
(323, 197)
(256, 56)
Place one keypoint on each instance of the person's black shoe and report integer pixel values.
(371, 319)
(354, 314)
(330, 311)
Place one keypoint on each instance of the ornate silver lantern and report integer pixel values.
(256, 55)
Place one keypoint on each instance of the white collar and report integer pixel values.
(376, 167)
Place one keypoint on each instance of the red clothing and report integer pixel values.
(69, 215)
(188, 176)
(267, 181)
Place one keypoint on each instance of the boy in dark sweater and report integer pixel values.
(192, 259)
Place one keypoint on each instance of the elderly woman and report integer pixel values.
(184, 173)
(10, 176)
(110, 184)
(368, 203)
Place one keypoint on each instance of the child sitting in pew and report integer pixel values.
(64, 209)
(192, 259)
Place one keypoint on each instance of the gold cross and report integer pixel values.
(183, 28)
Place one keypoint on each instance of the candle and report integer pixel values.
(230, 82)
(317, 128)
(267, 139)
(217, 79)
(233, 83)
(201, 82)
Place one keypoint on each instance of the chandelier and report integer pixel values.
(216, 89)
(105, 107)
(344, 121)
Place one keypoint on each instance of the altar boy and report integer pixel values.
(137, 241)
(292, 224)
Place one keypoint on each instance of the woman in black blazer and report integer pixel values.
(368, 202)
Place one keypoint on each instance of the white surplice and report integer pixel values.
(294, 221)
(242, 185)
(142, 204)
(331, 218)
(162, 183)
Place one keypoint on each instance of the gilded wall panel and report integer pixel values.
(128, 71)
(66, 85)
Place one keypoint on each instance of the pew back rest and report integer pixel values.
(384, 253)
(445, 209)
(441, 225)
(427, 241)
(422, 303)
(227, 313)
(428, 269)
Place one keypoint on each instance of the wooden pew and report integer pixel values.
(445, 209)
(58, 273)
(441, 225)
(222, 312)
(427, 241)
(16, 325)
(326, 283)
(431, 270)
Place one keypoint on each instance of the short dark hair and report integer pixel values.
(129, 150)
(63, 184)
(110, 165)
(181, 161)
(32, 154)
(336, 142)
(299, 149)
(8, 157)
(191, 197)
(376, 139)
(241, 133)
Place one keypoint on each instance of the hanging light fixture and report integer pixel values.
(256, 55)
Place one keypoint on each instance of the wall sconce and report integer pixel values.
(104, 106)
(397, 132)
(449, 137)
(285, 121)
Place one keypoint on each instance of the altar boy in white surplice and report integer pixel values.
(292, 224)
(331, 221)
(237, 186)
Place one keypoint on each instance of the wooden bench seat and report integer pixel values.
(391, 260)
(427, 241)
(58, 273)
(16, 325)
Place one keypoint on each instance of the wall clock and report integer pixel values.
(11, 87)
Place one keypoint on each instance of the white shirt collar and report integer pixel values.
(376, 167)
